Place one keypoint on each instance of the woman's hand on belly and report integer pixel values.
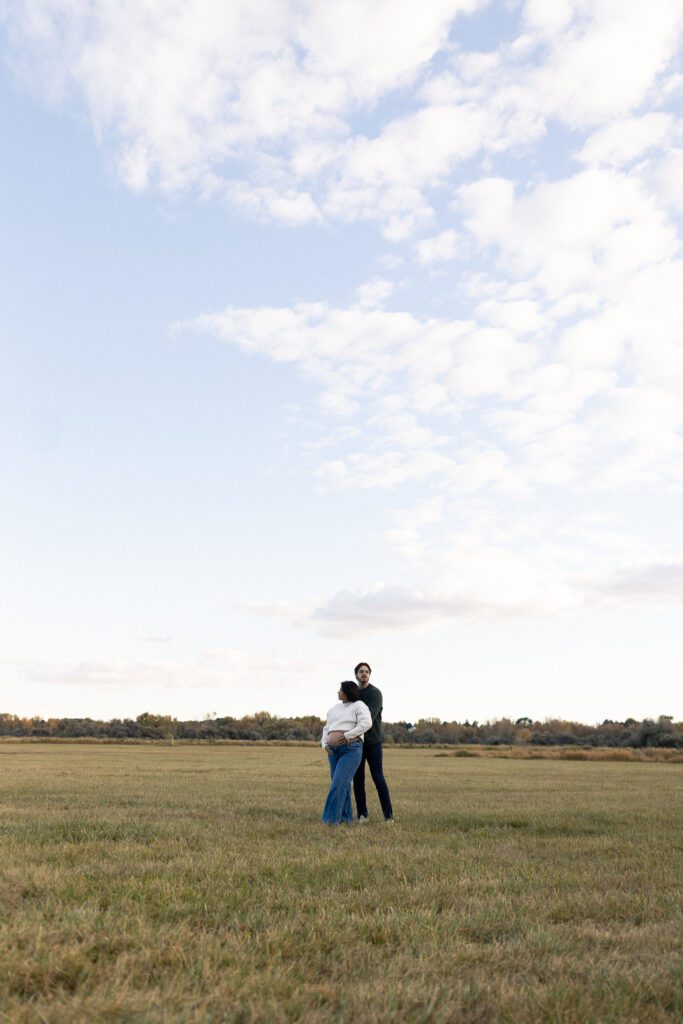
(336, 738)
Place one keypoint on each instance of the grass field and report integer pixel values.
(195, 884)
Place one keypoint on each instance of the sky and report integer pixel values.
(341, 332)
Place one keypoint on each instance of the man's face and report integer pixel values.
(363, 676)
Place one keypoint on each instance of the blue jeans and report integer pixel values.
(343, 763)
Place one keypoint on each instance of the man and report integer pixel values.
(372, 748)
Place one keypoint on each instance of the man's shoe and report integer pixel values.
(362, 819)
(388, 821)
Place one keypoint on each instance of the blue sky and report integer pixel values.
(342, 333)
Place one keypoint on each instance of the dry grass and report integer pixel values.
(523, 751)
(649, 755)
(194, 884)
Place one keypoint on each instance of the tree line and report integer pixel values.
(660, 732)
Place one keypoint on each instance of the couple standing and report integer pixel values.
(352, 736)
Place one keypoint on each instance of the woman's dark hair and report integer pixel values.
(351, 689)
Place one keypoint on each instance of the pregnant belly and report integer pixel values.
(335, 737)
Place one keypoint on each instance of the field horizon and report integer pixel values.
(514, 751)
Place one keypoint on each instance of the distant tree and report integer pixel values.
(662, 732)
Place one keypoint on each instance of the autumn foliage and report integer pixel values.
(660, 732)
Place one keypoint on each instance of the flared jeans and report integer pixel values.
(344, 761)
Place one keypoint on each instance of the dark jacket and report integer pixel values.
(371, 696)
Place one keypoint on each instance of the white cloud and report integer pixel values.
(384, 178)
(438, 249)
(374, 293)
(392, 372)
(500, 571)
(195, 94)
(385, 463)
(217, 670)
(520, 317)
(655, 583)
(545, 401)
(287, 206)
(548, 18)
(605, 61)
(405, 535)
(259, 102)
(622, 141)
(473, 580)
(579, 233)
(667, 175)
(353, 353)
(558, 368)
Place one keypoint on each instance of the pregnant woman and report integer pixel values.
(343, 741)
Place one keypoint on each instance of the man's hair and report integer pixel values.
(351, 689)
(362, 664)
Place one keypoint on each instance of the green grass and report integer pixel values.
(195, 884)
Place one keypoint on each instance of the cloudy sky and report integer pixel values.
(337, 332)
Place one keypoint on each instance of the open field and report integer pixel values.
(194, 884)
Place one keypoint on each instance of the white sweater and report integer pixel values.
(353, 718)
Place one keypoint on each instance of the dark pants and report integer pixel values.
(372, 753)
